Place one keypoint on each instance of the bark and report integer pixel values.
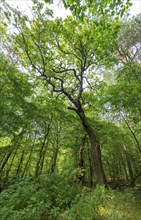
(10, 167)
(6, 160)
(3, 156)
(54, 162)
(132, 183)
(26, 168)
(20, 163)
(91, 170)
(123, 165)
(42, 153)
(99, 175)
(15, 141)
(128, 163)
(56, 150)
(132, 132)
(81, 172)
(43, 156)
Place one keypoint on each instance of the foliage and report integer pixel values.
(131, 28)
(34, 199)
(30, 198)
(70, 112)
(13, 107)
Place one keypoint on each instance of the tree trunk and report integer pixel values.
(128, 163)
(123, 165)
(91, 170)
(54, 160)
(18, 172)
(6, 160)
(80, 165)
(10, 167)
(99, 175)
(43, 149)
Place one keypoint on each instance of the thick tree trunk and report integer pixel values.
(99, 175)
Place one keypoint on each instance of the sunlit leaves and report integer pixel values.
(80, 9)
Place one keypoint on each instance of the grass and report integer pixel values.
(121, 206)
(108, 205)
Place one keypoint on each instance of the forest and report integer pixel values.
(70, 111)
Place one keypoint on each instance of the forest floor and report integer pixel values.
(115, 205)
(46, 200)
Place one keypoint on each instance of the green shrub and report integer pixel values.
(30, 199)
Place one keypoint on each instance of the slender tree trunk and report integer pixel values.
(20, 163)
(81, 172)
(132, 132)
(3, 156)
(6, 160)
(15, 141)
(26, 168)
(43, 156)
(91, 170)
(56, 150)
(128, 163)
(42, 152)
(10, 166)
(123, 164)
(54, 161)
(11, 156)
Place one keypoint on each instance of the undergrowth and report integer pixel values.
(57, 198)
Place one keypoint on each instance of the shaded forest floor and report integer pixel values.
(59, 199)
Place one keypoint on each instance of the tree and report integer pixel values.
(129, 40)
(66, 54)
(120, 97)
